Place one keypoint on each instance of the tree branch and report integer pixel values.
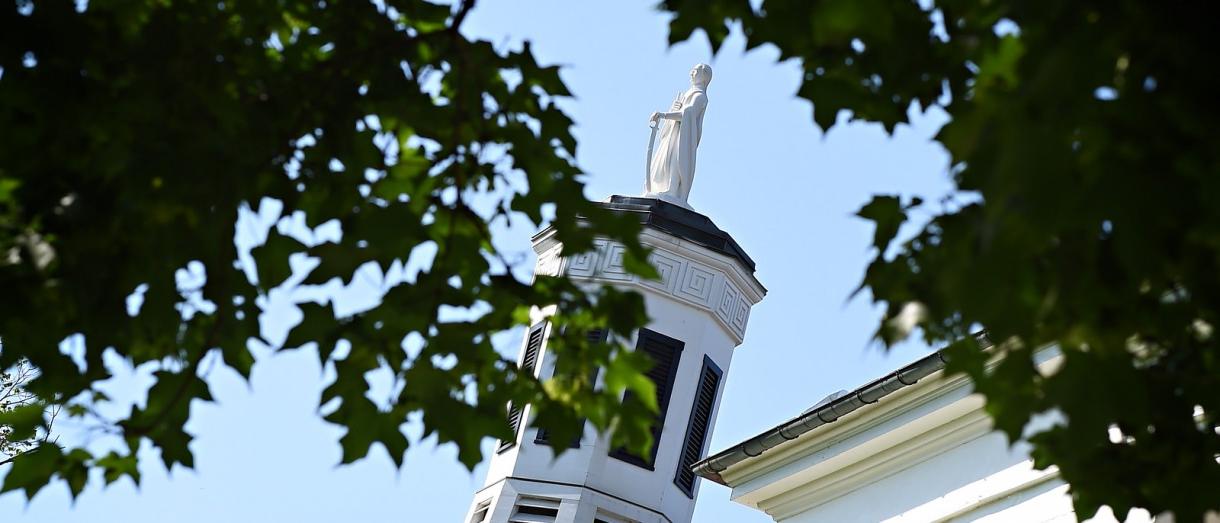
(191, 370)
(460, 16)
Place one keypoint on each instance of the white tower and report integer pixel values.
(699, 310)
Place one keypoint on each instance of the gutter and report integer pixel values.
(870, 393)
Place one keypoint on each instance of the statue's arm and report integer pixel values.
(697, 104)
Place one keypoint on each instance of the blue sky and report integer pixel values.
(766, 175)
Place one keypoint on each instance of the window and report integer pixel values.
(535, 510)
(544, 437)
(697, 426)
(480, 512)
(603, 516)
(528, 362)
(665, 353)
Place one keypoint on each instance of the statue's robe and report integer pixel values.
(672, 167)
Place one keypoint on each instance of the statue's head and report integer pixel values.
(701, 75)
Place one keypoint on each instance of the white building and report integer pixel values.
(913, 446)
(699, 310)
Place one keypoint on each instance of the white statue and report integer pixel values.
(671, 167)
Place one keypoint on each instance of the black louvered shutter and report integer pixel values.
(665, 353)
(696, 428)
(544, 437)
(528, 362)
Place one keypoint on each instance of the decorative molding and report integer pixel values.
(549, 262)
(689, 273)
(611, 266)
(697, 283)
(670, 268)
(585, 262)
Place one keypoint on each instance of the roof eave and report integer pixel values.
(872, 392)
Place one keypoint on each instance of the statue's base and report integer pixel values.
(679, 221)
(667, 199)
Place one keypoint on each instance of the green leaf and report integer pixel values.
(639, 264)
(7, 187)
(272, 259)
(887, 213)
(75, 470)
(318, 324)
(114, 466)
(998, 69)
(32, 470)
(714, 18)
(24, 421)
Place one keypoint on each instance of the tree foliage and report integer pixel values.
(20, 412)
(137, 131)
(26, 423)
(1082, 141)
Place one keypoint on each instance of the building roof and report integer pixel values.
(825, 413)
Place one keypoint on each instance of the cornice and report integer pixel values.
(689, 273)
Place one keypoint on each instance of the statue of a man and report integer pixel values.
(671, 168)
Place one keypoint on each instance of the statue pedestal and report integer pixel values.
(663, 198)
